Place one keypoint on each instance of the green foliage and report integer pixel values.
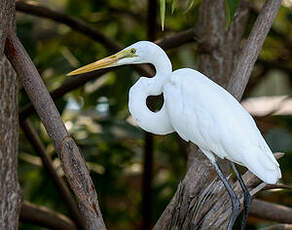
(230, 9)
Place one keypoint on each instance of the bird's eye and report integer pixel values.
(133, 51)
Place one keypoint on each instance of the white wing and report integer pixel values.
(204, 113)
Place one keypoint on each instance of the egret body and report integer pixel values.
(200, 111)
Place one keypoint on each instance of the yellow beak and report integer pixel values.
(109, 61)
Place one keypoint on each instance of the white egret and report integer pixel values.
(200, 111)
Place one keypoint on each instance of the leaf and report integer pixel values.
(230, 9)
(190, 4)
(173, 6)
(162, 13)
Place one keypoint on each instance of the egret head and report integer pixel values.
(139, 52)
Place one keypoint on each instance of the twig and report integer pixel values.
(240, 75)
(36, 143)
(69, 85)
(269, 211)
(73, 163)
(178, 39)
(42, 216)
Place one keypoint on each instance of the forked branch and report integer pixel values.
(72, 161)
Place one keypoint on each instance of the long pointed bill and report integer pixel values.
(103, 63)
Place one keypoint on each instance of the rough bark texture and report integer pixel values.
(10, 196)
(239, 78)
(201, 202)
(78, 177)
(69, 154)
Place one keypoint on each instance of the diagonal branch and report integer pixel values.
(36, 143)
(72, 161)
(250, 52)
(45, 217)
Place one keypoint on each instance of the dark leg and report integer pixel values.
(246, 196)
(233, 197)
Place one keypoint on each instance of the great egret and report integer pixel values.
(200, 111)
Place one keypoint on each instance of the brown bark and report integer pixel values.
(10, 195)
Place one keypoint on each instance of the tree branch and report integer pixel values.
(72, 162)
(279, 227)
(178, 39)
(69, 85)
(269, 211)
(42, 216)
(251, 50)
(36, 143)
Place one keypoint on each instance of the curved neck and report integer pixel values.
(154, 122)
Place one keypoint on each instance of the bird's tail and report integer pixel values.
(263, 164)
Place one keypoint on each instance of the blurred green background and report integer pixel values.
(97, 116)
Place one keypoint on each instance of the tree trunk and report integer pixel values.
(10, 196)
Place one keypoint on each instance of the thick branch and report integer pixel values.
(250, 52)
(73, 164)
(36, 143)
(45, 217)
(269, 211)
